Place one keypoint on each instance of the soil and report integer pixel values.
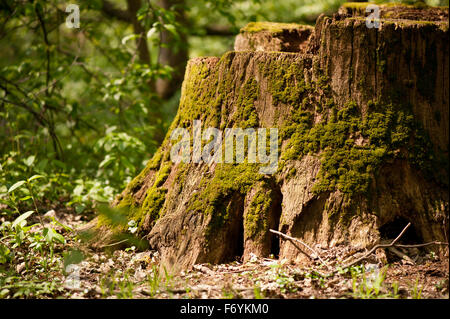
(128, 274)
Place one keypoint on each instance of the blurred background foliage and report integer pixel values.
(85, 108)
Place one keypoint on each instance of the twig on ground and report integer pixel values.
(378, 246)
(421, 245)
(293, 240)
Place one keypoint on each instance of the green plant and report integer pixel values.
(285, 282)
(227, 293)
(168, 280)
(416, 291)
(370, 285)
(16, 288)
(126, 287)
(17, 193)
(353, 270)
(154, 281)
(441, 284)
(395, 290)
(107, 284)
(318, 277)
(5, 254)
(258, 293)
(28, 249)
(158, 283)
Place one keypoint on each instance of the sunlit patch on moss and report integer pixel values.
(271, 27)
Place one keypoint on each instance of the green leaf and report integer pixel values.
(108, 160)
(5, 202)
(47, 235)
(21, 218)
(79, 208)
(129, 37)
(78, 190)
(4, 293)
(32, 178)
(4, 254)
(171, 28)
(58, 237)
(16, 186)
(151, 32)
(29, 160)
(66, 228)
(50, 235)
(127, 164)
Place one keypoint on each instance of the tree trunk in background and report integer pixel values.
(141, 42)
(173, 52)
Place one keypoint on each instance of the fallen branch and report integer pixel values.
(421, 245)
(378, 246)
(390, 245)
(293, 240)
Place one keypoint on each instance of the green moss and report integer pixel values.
(117, 228)
(154, 198)
(116, 218)
(180, 178)
(360, 6)
(155, 162)
(216, 194)
(151, 208)
(389, 19)
(199, 100)
(381, 63)
(162, 174)
(137, 181)
(387, 129)
(257, 217)
(271, 27)
(246, 115)
(127, 201)
(286, 80)
(292, 172)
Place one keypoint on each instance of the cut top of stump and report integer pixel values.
(270, 36)
(396, 11)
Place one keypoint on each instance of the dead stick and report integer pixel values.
(378, 246)
(421, 245)
(293, 240)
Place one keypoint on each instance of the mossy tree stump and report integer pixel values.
(363, 119)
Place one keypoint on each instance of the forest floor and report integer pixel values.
(135, 275)
(131, 274)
